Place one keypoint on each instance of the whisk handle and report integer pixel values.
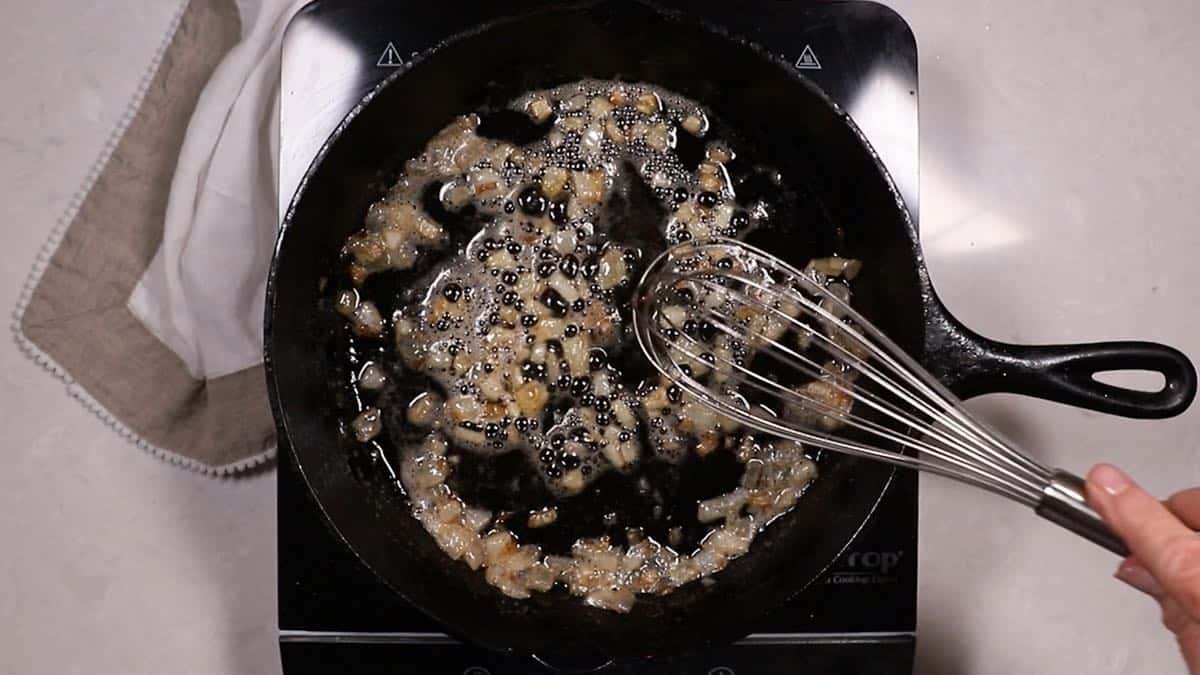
(1064, 504)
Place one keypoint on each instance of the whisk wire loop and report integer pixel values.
(829, 368)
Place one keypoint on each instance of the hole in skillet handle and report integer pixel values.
(971, 364)
(1137, 380)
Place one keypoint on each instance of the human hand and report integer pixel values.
(1165, 563)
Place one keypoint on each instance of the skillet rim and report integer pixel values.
(270, 365)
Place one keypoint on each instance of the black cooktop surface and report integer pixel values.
(335, 616)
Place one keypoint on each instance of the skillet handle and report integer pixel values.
(971, 365)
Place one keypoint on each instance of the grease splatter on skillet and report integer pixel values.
(487, 301)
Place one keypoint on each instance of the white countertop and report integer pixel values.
(1060, 149)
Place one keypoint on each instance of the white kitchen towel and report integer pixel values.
(203, 292)
(147, 300)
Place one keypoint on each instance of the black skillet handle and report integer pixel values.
(971, 364)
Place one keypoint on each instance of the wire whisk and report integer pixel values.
(781, 350)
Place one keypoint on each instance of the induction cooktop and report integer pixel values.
(335, 616)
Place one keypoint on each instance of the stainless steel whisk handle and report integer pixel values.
(1064, 503)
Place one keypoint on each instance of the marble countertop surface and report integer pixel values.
(1060, 149)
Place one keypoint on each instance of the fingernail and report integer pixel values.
(1139, 577)
(1111, 479)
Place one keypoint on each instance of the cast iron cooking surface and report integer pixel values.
(325, 591)
(773, 110)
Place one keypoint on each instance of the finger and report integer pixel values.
(1169, 549)
(1187, 633)
(1186, 506)
(1174, 616)
(1135, 574)
(1189, 646)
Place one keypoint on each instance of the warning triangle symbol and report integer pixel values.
(808, 59)
(390, 58)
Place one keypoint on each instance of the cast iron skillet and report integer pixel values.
(846, 202)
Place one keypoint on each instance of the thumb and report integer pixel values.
(1167, 547)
